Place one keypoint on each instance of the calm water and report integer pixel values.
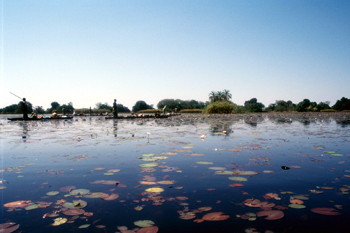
(193, 159)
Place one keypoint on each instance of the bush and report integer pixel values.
(221, 107)
(191, 111)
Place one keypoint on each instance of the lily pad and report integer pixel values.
(238, 178)
(325, 211)
(271, 214)
(79, 192)
(297, 206)
(155, 190)
(52, 193)
(215, 216)
(59, 221)
(144, 223)
(204, 163)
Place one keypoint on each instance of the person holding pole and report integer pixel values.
(115, 109)
(24, 109)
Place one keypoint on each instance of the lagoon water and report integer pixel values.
(113, 173)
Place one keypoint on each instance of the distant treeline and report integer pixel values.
(219, 102)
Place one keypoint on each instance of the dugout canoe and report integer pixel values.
(41, 119)
(137, 117)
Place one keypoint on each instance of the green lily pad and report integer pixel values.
(337, 154)
(79, 192)
(84, 226)
(149, 165)
(297, 206)
(238, 178)
(32, 207)
(52, 193)
(204, 163)
(144, 223)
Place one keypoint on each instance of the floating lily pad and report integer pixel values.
(204, 163)
(144, 223)
(155, 190)
(84, 226)
(325, 211)
(271, 214)
(223, 172)
(247, 173)
(32, 207)
(238, 178)
(52, 193)
(59, 221)
(79, 192)
(215, 216)
(149, 165)
(297, 206)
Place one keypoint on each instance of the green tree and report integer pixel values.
(303, 106)
(253, 105)
(141, 105)
(100, 106)
(323, 106)
(342, 104)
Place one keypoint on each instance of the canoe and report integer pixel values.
(41, 119)
(136, 117)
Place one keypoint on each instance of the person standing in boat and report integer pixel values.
(24, 109)
(164, 110)
(115, 109)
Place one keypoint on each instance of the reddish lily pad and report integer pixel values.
(271, 214)
(325, 211)
(72, 212)
(8, 227)
(17, 204)
(215, 216)
(152, 229)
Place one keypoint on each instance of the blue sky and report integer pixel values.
(87, 52)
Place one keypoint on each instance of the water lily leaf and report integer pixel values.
(152, 229)
(144, 223)
(84, 226)
(72, 212)
(155, 190)
(8, 227)
(247, 173)
(149, 165)
(17, 204)
(217, 168)
(215, 216)
(94, 195)
(271, 214)
(325, 211)
(204, 163)
(300, 197)
(59, 221)
(114, 170)
(108, 174)
(223, 172)
(79, 192)
(238, 178)
(32, 207)
(337, 154)
(207, 208)
(268, 171)
(52, 193)
(166, 182)
(297, 206)
(75, 204)
(111, 197)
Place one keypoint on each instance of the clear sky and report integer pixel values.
(88, 51)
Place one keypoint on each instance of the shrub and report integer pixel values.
(221, 107)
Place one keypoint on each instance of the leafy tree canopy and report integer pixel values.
(141, 105)
(180, 104)
(253, 105)
(224, 95)
(342, 104)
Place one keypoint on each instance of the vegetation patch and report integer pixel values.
(220, 107)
